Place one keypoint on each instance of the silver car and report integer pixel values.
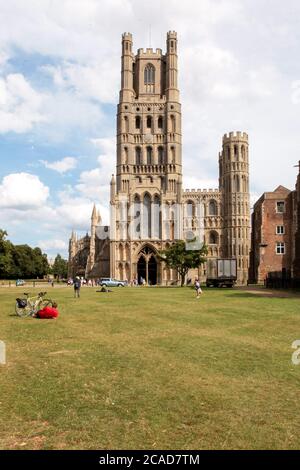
(110, 282)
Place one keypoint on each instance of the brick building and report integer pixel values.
(275, 239)
(296, 263)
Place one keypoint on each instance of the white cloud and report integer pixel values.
(53, 245)
(61, 166)
(74, 211)
(4, 56)
(87, 80)
(93, 183)
(20, 104)
(22, 191)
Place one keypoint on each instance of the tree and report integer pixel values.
(6, 260)
(60, 267)
(181, 259)
(21, 261)
(41, 266)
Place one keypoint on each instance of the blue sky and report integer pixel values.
(59, 84)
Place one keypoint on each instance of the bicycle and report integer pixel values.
(29, 306)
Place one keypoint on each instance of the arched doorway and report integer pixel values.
(147, 266)
(141, 269)
(152, 271)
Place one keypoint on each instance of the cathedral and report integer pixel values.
(149, 209)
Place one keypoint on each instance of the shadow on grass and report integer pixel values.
(265, 295)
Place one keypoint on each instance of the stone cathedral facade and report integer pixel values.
(149, 208)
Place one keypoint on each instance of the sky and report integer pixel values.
(239, 69)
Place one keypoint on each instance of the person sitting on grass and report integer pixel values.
(48, 312)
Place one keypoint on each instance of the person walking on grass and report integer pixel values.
(198, 288)
(77, 285)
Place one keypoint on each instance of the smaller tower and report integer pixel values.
(112, 188)
(126, 92)
(92, 250)
(234, 186)
(72, 253)
(172, 91)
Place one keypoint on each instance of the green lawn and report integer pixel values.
(151, 368)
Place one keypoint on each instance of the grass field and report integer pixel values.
(151, 368)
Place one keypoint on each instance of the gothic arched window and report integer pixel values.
(160, 122)
(138, 156)
(213, 238)
(125, 155)
(137, 216)
(156, 214)
(149, 122)
(147, 216)
(137, 122)
(149, 155)
(173, 124)
(126, 124)
(236, 152)
(237, 184)
(149, 75)
(190, 209)
(212, 208)
(172, 155)
(243, 153)
(160, 155)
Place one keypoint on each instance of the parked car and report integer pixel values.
(110, 282)
(20, 282)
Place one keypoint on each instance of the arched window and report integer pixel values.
(243, 152)
(212, 208)
(190, 209)
(149, 155)
(149, 122)
(137, 122)
(125, 155)
(126, 124)
(138, 156)
(156, 214)
(237, 184)
(172, 155)
(228, 153)
(173, 124)
(147, 216)
(121, 252)
(160, 155)
(137, 217)
(149, 75)
(160, 122)
(213, 238)
(236, 152)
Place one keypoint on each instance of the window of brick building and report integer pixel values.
(280, 207)
(280, 248)
(280, 230)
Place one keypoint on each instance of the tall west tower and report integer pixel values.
(149, 169)
(234, 187)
